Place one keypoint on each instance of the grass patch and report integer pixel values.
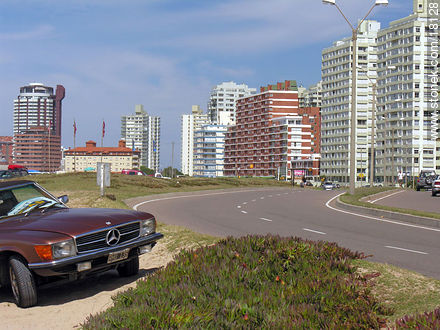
(363, 192)
(83, 185)
(403, 291)
(265, 282)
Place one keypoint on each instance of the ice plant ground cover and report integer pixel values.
(251, 282)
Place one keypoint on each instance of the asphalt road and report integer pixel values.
(415, 200)
(304, 213)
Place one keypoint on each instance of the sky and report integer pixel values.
(165, 54)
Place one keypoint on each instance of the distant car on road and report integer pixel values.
(327, 185)
(436, 186)
(425, 179)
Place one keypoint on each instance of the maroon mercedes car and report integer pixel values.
(42, 241)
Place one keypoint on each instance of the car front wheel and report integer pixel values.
(129, 268)
(22, 283)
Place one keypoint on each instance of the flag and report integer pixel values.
(74, 128)
(103, 128)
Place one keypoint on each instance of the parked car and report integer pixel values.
(132, 172)
(6, 174)
(425, 179)
(435, 188)
(42, 241)
(327, 185)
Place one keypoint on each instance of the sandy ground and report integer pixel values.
(67, 306)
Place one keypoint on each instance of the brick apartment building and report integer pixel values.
(271, 133)
(38, 149)
(37, 127)
(5, 150)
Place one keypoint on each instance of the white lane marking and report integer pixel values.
(270, 196)
(407, 250)
(377, 219)
(266, 219)
(278, 194)
(188, 196)
(244, 212)
(286, 193)
(254, 200)
(239, 207)
(261, 197)
(244, 203)
(314, 231)
(398, 192)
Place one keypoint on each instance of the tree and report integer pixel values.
(147, 171)
(169, 172)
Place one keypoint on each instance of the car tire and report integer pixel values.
(22, 282)
(418, 188)
(129, 268)
(433, 194)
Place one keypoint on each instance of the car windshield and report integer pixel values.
(25, 198)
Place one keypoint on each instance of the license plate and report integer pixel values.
(118, 255)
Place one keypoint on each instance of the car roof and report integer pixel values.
(7, 184)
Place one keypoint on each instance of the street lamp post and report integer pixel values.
(353, 89)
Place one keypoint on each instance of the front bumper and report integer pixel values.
(98, 258)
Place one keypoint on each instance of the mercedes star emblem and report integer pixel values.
(113, 237)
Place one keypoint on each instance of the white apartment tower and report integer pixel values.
(209, 150)
(141, 131)
(190, 123)
(407, 131)
(336, 104)
(221, 106)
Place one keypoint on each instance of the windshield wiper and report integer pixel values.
(45, 208)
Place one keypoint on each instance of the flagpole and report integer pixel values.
(74, 145)
(49, 147)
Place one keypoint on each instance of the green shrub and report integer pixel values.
(251, 282)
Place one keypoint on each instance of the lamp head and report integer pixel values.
(330, 2)
(381, 2)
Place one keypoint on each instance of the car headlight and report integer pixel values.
(148, 227)
(63, 249)
(58, 250)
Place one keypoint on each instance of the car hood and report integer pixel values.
(71, 222)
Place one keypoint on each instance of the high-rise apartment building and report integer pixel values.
(37, 127)
(209, 145)
(189, 124)
(141, 131)
(221, 106)
(407, 123)
(271, 133)
(336, 104)
(310, 97)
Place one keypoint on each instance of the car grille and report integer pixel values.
(97, 240)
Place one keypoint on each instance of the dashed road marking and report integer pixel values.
(406, 250)
(266, 219)
(239, 206)
(314, 231)
(244, 212)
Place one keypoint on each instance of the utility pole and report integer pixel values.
(172, 159)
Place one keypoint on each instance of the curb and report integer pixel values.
(414, 219)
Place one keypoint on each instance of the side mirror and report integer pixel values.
(64, 199)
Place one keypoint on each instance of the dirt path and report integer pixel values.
(67, 306)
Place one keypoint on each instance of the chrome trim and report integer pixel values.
(96, 254)
(105, 230)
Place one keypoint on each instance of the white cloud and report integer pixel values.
(38, 32)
